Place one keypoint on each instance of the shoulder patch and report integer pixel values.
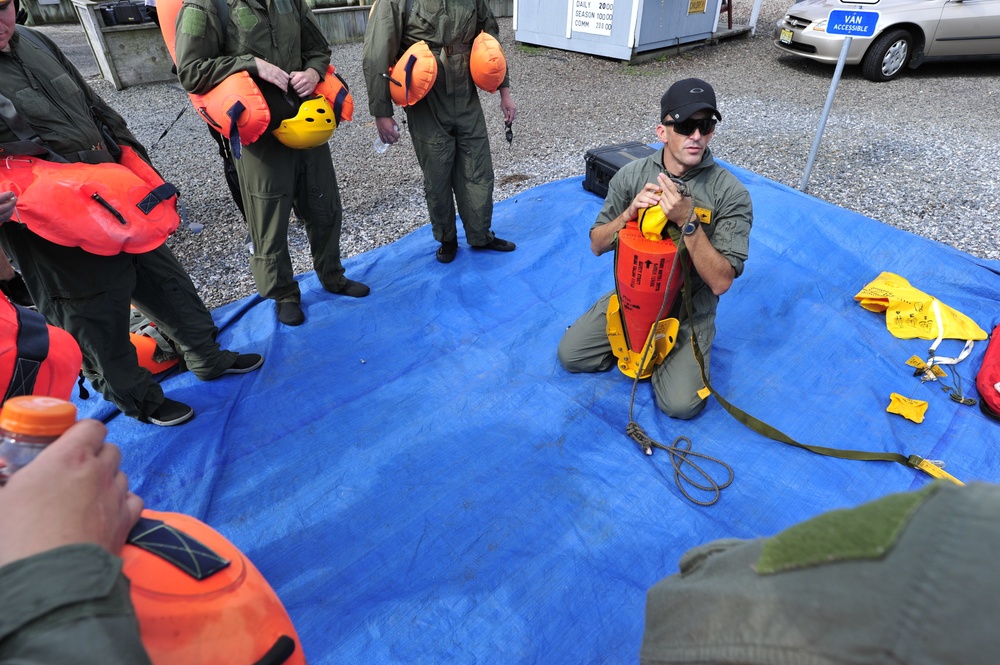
(193, 21)
(867, 532)
(245, 18)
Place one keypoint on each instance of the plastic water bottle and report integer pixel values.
(28, 424)
(378, 146)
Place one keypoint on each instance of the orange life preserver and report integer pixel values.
(199, 600)
(335, 89)
(235, 108)
(116, 207)
(643, 265)
(487, 63)
(35, 358)
(413, 75)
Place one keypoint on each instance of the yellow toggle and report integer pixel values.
(934, 470)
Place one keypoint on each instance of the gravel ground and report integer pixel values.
(915, 153)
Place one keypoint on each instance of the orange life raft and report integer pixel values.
(643, 265)
(199, 600)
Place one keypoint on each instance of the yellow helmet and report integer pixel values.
(312, 126)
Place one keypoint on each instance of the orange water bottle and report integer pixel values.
(27, 424)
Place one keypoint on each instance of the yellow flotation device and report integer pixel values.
(913, 314)
(487, 63)
(646, 284)
(413, 75)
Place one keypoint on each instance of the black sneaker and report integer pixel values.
(170, 413)
(290, 313)
(498, 245)
(446, 252)
(353, 289)
(245, 362)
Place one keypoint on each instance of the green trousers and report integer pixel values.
(453, 149)
(584, 347)
(89, 296)
(273, 179)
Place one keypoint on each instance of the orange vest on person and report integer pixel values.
(487, 63)
(35, 358)
(413, 75)
(198, 599)
(236, 108)
(117, 207)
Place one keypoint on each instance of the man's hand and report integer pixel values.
(304, 82)
(507, 105)
(602, 238)
(272, 74)
(7, 204)
(677, 208)
(387, 131)
(73, 492)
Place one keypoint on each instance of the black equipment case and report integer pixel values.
(123, 12)
(603, 163)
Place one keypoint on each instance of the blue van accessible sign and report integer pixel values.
(851, 23)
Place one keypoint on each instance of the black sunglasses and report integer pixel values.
(704, 125)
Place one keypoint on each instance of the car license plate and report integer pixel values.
(786, 36)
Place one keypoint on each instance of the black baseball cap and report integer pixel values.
(685, 98)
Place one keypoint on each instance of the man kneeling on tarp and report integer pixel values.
(707, 208)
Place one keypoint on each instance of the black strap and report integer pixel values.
(31, 142)
(222, 9)
(280, 652)
(173, 545)
(32, 349)
(156, 197)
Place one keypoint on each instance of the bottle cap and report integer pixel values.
(37, 415)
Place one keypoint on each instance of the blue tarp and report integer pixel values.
(421, 481)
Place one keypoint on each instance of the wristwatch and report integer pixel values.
(691, 226)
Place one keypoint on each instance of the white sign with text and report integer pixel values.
(593, 16)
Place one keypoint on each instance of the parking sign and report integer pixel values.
(851, 22)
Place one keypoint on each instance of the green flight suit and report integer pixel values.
(86, 294)
(447, 126)
(272, 176)
(909, 578)
(68, 605)
(676, 381)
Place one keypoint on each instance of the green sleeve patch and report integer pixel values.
(245, 18)
(193, 21)
(865, 532)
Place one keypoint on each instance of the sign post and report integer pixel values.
(850, 23)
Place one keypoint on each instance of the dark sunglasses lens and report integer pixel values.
(704, 125)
